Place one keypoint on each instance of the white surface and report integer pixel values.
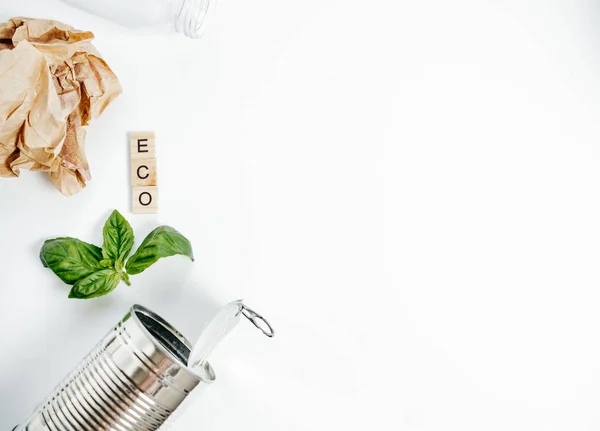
(467, 298)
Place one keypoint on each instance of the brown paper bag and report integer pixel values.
(52, 83)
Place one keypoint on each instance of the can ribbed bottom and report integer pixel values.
(98, 396)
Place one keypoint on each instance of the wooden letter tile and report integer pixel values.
(142, 145)
(143, 172)
(145, 200)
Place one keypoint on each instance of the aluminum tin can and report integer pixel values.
(133, 380)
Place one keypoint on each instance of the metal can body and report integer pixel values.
(134, 379)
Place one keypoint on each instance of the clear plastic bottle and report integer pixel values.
(183, 16)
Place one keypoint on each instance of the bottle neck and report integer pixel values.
(189, 16)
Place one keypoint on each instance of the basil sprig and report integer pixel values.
(95, 271)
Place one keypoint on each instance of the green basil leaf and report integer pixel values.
(162, 242)
(70, 259)
(118, 238)
(97, 284)
(106, 263)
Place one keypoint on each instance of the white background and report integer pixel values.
(408, 190)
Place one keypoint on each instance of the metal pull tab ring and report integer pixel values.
(226, 319)
(258, 321)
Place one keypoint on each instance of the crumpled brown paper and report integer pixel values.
(52, 83)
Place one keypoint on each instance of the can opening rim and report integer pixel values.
(170, 340)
